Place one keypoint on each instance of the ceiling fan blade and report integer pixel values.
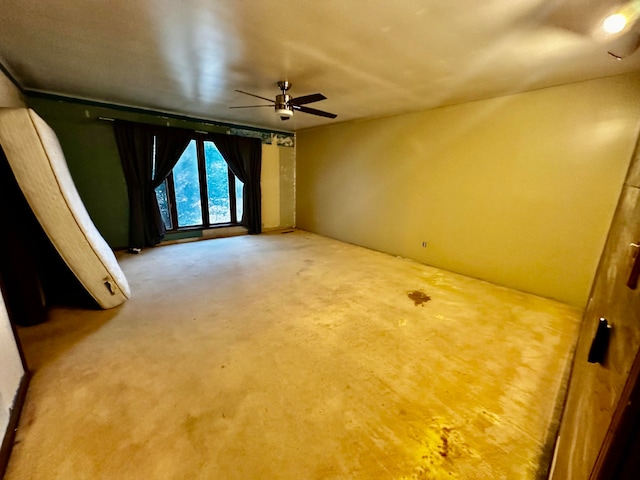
(315, 97)
(257, 96)
(253, 106)
(313, 111)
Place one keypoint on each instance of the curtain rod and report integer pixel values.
(155, 113)
(108, 119)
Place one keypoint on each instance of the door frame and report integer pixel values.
(18, 400)
(619, 456)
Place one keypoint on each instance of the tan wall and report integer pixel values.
(11, 370)
(287, 187)
(270, 187)
(518, 190)
(277, 184)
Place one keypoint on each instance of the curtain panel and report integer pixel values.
(170, 144)
(244, 157)
(136, 148)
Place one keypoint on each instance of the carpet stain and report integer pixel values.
(418, 297)
(438, 448)
(444, 448)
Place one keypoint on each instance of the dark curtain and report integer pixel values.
(244, 157)
(135, 144)
(170, 143)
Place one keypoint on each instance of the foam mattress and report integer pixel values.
(38, 164)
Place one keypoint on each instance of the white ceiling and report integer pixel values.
(370, 58)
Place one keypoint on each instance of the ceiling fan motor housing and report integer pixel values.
(283, 108)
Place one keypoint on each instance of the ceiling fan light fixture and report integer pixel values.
(284, 112)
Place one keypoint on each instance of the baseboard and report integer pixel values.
(10, 434)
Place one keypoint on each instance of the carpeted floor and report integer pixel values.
(294, 356)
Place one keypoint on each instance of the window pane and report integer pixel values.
(239, 190)
(217, 185)
(163, 203)
(187, 187)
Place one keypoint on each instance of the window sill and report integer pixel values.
(203, 234)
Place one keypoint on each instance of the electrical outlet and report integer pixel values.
(424, 244)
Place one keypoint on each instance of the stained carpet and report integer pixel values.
(294, 356)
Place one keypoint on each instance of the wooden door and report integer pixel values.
(598, 392)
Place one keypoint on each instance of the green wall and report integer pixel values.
(518, 190)
(92, 155)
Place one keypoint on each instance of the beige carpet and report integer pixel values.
(293, 356)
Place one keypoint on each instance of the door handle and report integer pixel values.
(600, 343)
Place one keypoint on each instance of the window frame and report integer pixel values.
(204, 194)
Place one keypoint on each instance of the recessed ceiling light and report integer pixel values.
(615, 23)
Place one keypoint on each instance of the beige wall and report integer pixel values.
(11, 370)
(270, 186)
(518, 190)
(277, 182)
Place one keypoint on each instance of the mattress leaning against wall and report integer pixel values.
(38, 164)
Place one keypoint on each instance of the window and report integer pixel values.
(201, 191)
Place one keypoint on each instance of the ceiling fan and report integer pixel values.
(285, 105)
